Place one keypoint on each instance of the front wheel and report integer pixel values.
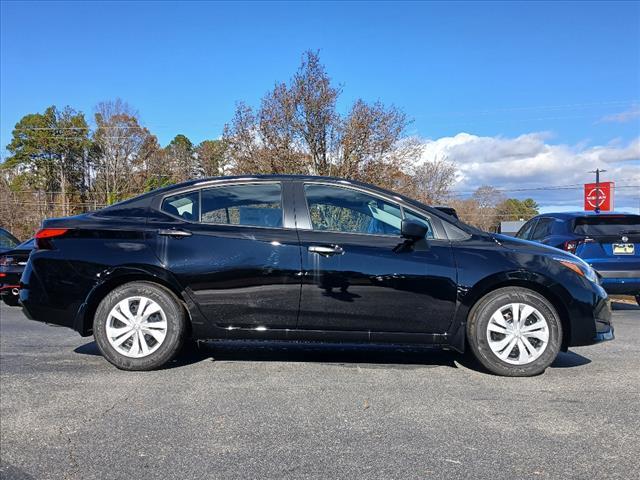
(139, 326)
(514, 332)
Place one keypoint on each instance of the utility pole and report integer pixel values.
(597, 171)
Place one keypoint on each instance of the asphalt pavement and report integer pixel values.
(278, 411)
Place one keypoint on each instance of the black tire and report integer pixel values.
(175, 332)
(478, 323)
(11, 300)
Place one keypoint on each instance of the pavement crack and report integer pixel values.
(75, 466)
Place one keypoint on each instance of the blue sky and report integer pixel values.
(567, 74)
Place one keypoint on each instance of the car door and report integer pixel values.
(354, 276)
(235, 250)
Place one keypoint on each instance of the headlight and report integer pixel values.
(580, 267)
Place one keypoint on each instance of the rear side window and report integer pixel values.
(7, 240)
(525, 231)
(543, 228)
(258, 205)
(184, 205)
(605, 225)
(336, 209)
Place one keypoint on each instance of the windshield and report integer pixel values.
(7, 240)
(607, 225)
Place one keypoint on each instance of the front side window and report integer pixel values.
(258, 205)
(409, 215)
(183, 205)
(336, 209)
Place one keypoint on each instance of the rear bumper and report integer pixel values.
(621, 282)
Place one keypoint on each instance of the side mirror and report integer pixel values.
(412, 230)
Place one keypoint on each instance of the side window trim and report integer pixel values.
(307, 224)
(278, 183)
(303, 215)
(287, 213)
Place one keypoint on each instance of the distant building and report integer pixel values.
(511, 228)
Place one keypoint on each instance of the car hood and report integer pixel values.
(530, 247)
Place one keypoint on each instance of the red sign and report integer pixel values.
(599, 197)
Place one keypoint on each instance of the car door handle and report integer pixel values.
(326, 250)
(172, 232)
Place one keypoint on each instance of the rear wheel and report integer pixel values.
(514, 332)
(139, 326)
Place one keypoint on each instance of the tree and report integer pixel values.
(212, 156)
(433, 180)
(514, 209)
(48, 151)
(118, 141)
(297, 129)
(182, 160)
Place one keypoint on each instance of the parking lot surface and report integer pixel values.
(256, 410)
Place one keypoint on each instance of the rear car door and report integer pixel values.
(234, 249)
(354, 277)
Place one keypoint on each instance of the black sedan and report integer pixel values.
(309, 259)
(12, 265)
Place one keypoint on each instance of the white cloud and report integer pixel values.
(529, 162)
(622, 117)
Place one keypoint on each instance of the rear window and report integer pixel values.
(607, 225)
(7, 240)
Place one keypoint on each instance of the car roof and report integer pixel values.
(570, 215)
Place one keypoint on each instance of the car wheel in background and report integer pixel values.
(514, 332)
(139, 326)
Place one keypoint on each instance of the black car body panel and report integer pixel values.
(270, 282)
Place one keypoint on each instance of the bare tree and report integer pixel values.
(298, 129)
(433, 180)
(118, 141)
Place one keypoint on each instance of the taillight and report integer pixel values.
(43, 237)
(572, 245)
(51, 232)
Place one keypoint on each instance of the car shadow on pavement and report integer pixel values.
(569, 359)
(347, 356)
(624, 306)
(362, 356)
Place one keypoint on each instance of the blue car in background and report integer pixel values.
(609, 242)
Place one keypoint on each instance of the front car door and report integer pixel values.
(354, 276)
(234, 249)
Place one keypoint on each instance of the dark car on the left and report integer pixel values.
(7, 241)
(12, 263)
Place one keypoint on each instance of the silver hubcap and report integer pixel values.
(136, 327)
(517, 333)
